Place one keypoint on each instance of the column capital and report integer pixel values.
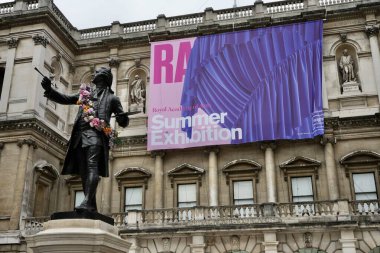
(114, 62)
(268, 144)
(214, 149)
(40, 40)
(327, 139)
(12, 42)
(156, 153)
(372, 30)
(28, 142)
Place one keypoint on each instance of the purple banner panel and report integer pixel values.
(239, 87)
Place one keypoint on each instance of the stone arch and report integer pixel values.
(338, 43)
(86, 77)
(310, 250)
(142, 72)
(353, 50)
(375, 250)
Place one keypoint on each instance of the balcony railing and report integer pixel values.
(226, 215)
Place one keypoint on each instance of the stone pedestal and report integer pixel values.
(77, 236)
(351, 87)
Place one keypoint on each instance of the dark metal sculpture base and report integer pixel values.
(82, 215)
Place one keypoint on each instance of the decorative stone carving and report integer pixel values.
(40, 40)
(343, 37)
(235, 242)
(72, 69)
(308, 239)
(265, 145)
(166, 244)
(29, 142)
(137, 62)
(114, 62)
(12, 42)
(187, 171)
(372, 30)
(160, 153)
(133, 174)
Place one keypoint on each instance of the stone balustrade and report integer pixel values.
(209, 16)
(6, 8)
(275, 213)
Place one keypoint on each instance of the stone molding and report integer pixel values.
(40, 40)
(12, 42)
(352, 122)
(372, 30)
(35, 125)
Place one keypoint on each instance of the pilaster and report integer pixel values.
(372, 30)
(348, 241)
(198, 244)
(270, 242)
(9, 66)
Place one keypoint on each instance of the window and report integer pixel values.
(132, 184)
(364, 186)
(133, 198)
(242, 176)
(243, 193)
(302, 189)
(187, 195)
(78, 198)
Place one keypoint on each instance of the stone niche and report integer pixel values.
(137, 91)
(348, 68)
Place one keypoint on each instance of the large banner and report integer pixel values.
(238, 87)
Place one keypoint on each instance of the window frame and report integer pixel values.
(361, 161)
(129, 178)
(291, 187)
(241, 170)
(196, 193)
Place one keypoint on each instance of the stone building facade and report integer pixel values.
(319, 195)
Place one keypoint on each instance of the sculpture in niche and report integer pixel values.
(347, 66)
(137, 94)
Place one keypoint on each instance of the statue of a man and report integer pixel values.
(88, 148)
(137, 91)
(346, 65)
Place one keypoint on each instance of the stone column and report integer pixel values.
(348, 241)
(25, 146)
(12, 45)
(270, 171)
(270, 242)
(325, 98)
(213, 176)
(332, 178)
(372, 32)
(158, 179)
(114, 64)
(198, 244)
(35, 90)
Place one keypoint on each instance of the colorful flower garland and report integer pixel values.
(89, 115)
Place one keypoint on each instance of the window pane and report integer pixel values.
(79, 197)
(366, 196)
(243, 202)
(302, 186)
(243, 190)
(364, 182)
(303, 199)
(133, 196)
(187, 193)
(186, 204)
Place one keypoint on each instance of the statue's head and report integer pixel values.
(137, 77)
(345, 52)
(103, 77)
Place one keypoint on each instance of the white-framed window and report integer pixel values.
(187, 195)
(133, 198)
(243, 192)
(79, 197)
(302, 189)
(364, 186)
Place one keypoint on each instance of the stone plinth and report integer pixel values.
(77, 236)
(351, 87)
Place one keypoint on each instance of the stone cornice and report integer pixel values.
(34, 125)
(352, 122)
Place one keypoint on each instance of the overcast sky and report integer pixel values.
(93, 13)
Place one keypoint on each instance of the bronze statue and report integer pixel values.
(88, 148)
